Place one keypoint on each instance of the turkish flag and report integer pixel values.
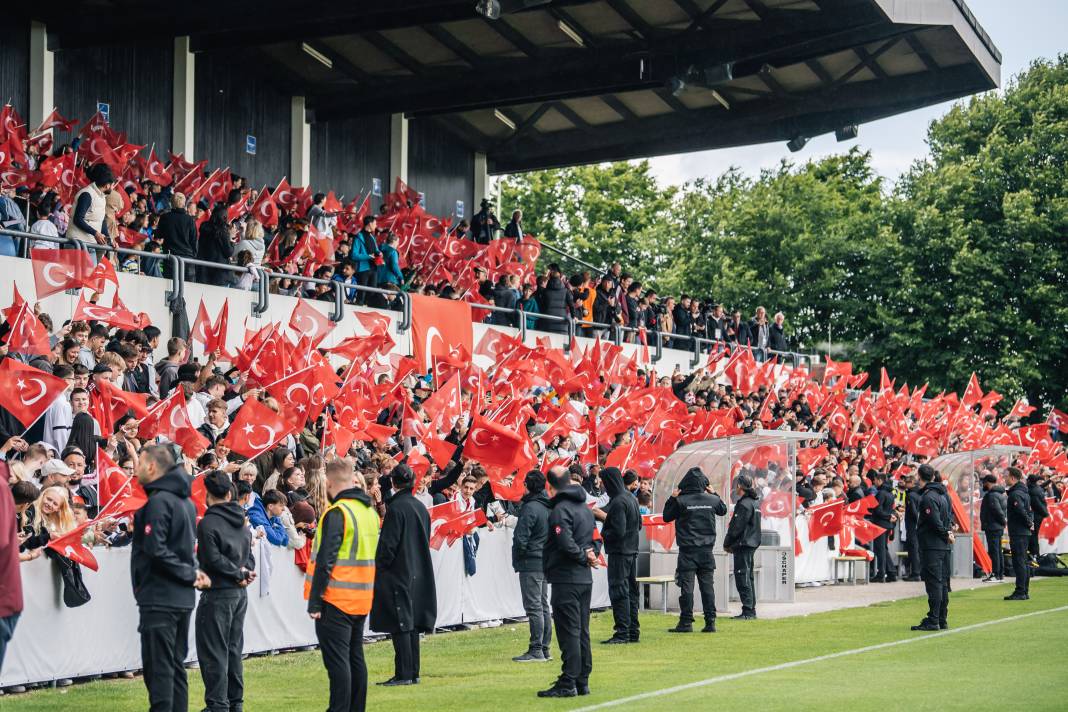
(809, 456)
(337, 437)
(28, 391)
(116, 315)
(418, 462)
(440, 328)
(1032, 434)
(119, 493)
(513, 491)
(439, 515)
(494, 445)
(256, 429)
(440, 451)
(663, 533)
(265, 209)
(100, 275)
(1058, 419)
(862, 506)
(921, 443)
(211, 334)
(169, 418)
(445, 403)
(156, 171)
(26, 334)
(778, 504)
(70, 546)
(972, 393)
(825, 520)
(305, 393)
(873, 452)
(863, 530)
(59, 171)
(1055, 523)
(55, 120)
(198, 493)
(309, 321)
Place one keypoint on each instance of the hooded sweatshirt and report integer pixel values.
(571, 528)
(531, 531)
(162, 565)
(694, 511)
(622, 521)
(224, 545)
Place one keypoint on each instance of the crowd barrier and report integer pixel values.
(53, 642)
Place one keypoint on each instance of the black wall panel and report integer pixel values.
(348, 153)
(232, 103)
(442, 167)
(136, 81)
(15, 66)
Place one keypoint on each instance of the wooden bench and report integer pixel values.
(851, 563)
(663, 581)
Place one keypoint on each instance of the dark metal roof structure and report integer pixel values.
(562, 82)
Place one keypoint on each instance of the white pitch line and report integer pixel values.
(808, 661)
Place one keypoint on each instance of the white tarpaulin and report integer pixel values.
(53, 642)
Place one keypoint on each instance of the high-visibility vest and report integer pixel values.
(352, 580)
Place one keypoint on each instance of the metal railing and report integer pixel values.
(262, 277)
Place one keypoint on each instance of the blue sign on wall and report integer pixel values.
(250, 145)
(105, 110)
(460, 209)
(376, 187)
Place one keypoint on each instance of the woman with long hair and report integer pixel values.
(52, 517)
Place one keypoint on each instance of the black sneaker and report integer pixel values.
(680, 628)
(1018, 597)
(614, 641)
(545, 655)
(745, 617)
(635, 639)
(926, 625)
(912, 579)
(558, 692)
(710, 627)
(943, 626)
(531, 656)
(582, 689)
(394, 682)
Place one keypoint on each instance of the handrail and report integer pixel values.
(571, 257)
(264, 275)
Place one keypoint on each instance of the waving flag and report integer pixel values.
(28, 391)
(441, 328)
(256, 429)
(825, 519)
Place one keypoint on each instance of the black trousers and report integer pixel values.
(341, 642)
(937, 568)
(1032, 541)
(406, 655)
(624, 594)
(912, 545)
(571, 614)
(997, 555)
(368, 278)
(1018, 546)
(220, 636)
(699, 564)
(882, 555)
(743, 578)
(164, 645)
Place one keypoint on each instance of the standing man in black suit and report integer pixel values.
(1021, 526)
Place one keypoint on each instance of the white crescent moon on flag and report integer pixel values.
(428, 344)
(92, 313)
(174, 412)
(299, 319)
(823, 518)
(475, 437)
(267, 443)
(40, 394)
(297, 387)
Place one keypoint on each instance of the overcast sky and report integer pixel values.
(1023, 30)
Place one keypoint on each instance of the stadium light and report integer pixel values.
(796, 143)
(847, 132)
(504, 119)
(317, 55)
(570, 32)
(489, 9)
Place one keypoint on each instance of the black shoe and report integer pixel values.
(912, 579)
(926, 625)
(943, 626)
(558, 692)
(1018, 597)
(710, 627)
(891, 579)
(633, 640)
(744, 617)
(614, 641)
(545, 654)
(879, 579)
(531, 656)
(582, 689)
(394, 682)
(680, 628)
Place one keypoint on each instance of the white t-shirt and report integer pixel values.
(44, 227)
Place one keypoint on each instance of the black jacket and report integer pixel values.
(214, 244)
(806, 494)
(1038, 504)
(777, 338)
(224, 545)
(178, 230)
(935, 519)
(555, 300)
(1020, 517)
(992, 510)
(531, 532)
(571, 528)
(694, 512)
(854, 494)
(623, 519)
(163, 568)
(881, 514)
(331, 534)
(744, 529)
(405, 598)
(913, 499)
(683, 319)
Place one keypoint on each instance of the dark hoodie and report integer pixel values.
(932, 532)
(694, 511)
(224, 545)
(623, 520)
(531, 531)
(992, 510)
(331, 533)
(571, 528)
(162, 565)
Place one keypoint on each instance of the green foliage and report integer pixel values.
(962, 266)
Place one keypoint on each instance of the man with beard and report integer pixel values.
(405, 599)
(569, 556)
(528, 543)
(936, 543)
(622, 523)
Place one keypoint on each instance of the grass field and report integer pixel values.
(971, 669)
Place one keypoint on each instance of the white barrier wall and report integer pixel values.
(147, 294)
(53, 642)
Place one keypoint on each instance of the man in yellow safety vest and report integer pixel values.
(339, 585)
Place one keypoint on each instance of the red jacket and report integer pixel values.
(10, 577)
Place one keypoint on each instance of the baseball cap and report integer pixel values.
(55, 467)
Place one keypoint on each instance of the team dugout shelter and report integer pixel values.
(445, 93)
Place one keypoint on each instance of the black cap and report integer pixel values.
(101, 368)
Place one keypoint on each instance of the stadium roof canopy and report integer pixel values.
(563, 82)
